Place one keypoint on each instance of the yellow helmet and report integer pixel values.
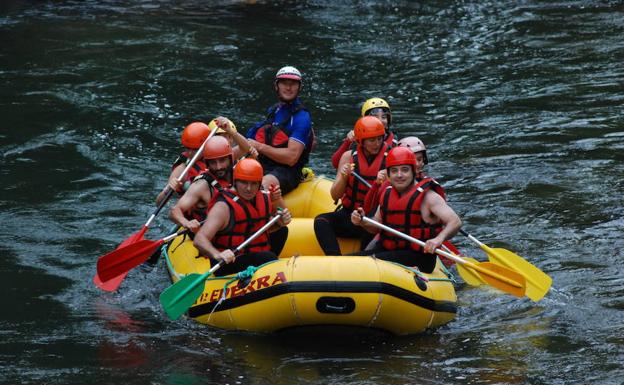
(213, 124)
(374, 103)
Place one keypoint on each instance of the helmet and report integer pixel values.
(288, 72)
(414, 144)
(399, 156)
(248, 169)
(213, 124)
(194, 135)
(374, 103)
(217, 147)
(368, 127)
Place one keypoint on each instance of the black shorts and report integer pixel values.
(288, 177)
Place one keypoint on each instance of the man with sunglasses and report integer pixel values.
(372, 107)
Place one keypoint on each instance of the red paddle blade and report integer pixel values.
(110, 285)
(124, 259)
(113, 284)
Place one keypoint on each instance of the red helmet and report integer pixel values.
(248, 169)
(368, 127)
(399, 156)
(194, 135)
(217, 147)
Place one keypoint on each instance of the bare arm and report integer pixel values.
(199, 192)
(342, 176)
(217, 220)
(356, 219)
(172, 183)
(287, 155)
(436, 210)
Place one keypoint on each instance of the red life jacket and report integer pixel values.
(374, 194)
(216, 185)
(355, 192)
(277, 135)
(198, 167)
(403, 213)
(245, 219)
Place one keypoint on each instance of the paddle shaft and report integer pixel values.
(359, 177)
(170, 191)
(475, 240)
(189, 289)
(444, 253)
(243, 245)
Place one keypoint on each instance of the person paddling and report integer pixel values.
(226, 128)
(362, 163)
(193, 137)
(374, 107)
(191, 208)
(284, 139)
(237, 214)
(412, 207)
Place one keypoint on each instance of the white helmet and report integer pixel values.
(414, 144)
(288, 72)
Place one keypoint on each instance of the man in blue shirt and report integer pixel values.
(285, 138)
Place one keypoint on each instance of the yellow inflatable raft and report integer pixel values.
(305, 288)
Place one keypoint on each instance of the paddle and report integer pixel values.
(538, 282)
(113, 284)
(122, 260)
(176, 299)
(497, 276)
(469, 276)
(359, 177)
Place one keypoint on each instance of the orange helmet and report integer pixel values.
(217, 147)
(399, 156)
(368, 127)
(194, 135)
(248, 169)
(416, 145)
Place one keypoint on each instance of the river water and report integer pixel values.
(519, 103)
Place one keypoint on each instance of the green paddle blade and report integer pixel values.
(538, 282)
(470, 276)
(176, 299)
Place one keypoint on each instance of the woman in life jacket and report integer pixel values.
(192, 138)
(192, 207)
(284, 139)
(414, 208)
(238, 213)
(365, 162)
(374, 107)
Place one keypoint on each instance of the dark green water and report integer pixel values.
(520, 104)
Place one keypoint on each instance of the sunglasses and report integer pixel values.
(378, 110)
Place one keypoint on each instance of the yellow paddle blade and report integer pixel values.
(538, 282)
(469, 276)
(502, 278)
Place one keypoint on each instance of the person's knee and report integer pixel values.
(270, 180)
(321, 220)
